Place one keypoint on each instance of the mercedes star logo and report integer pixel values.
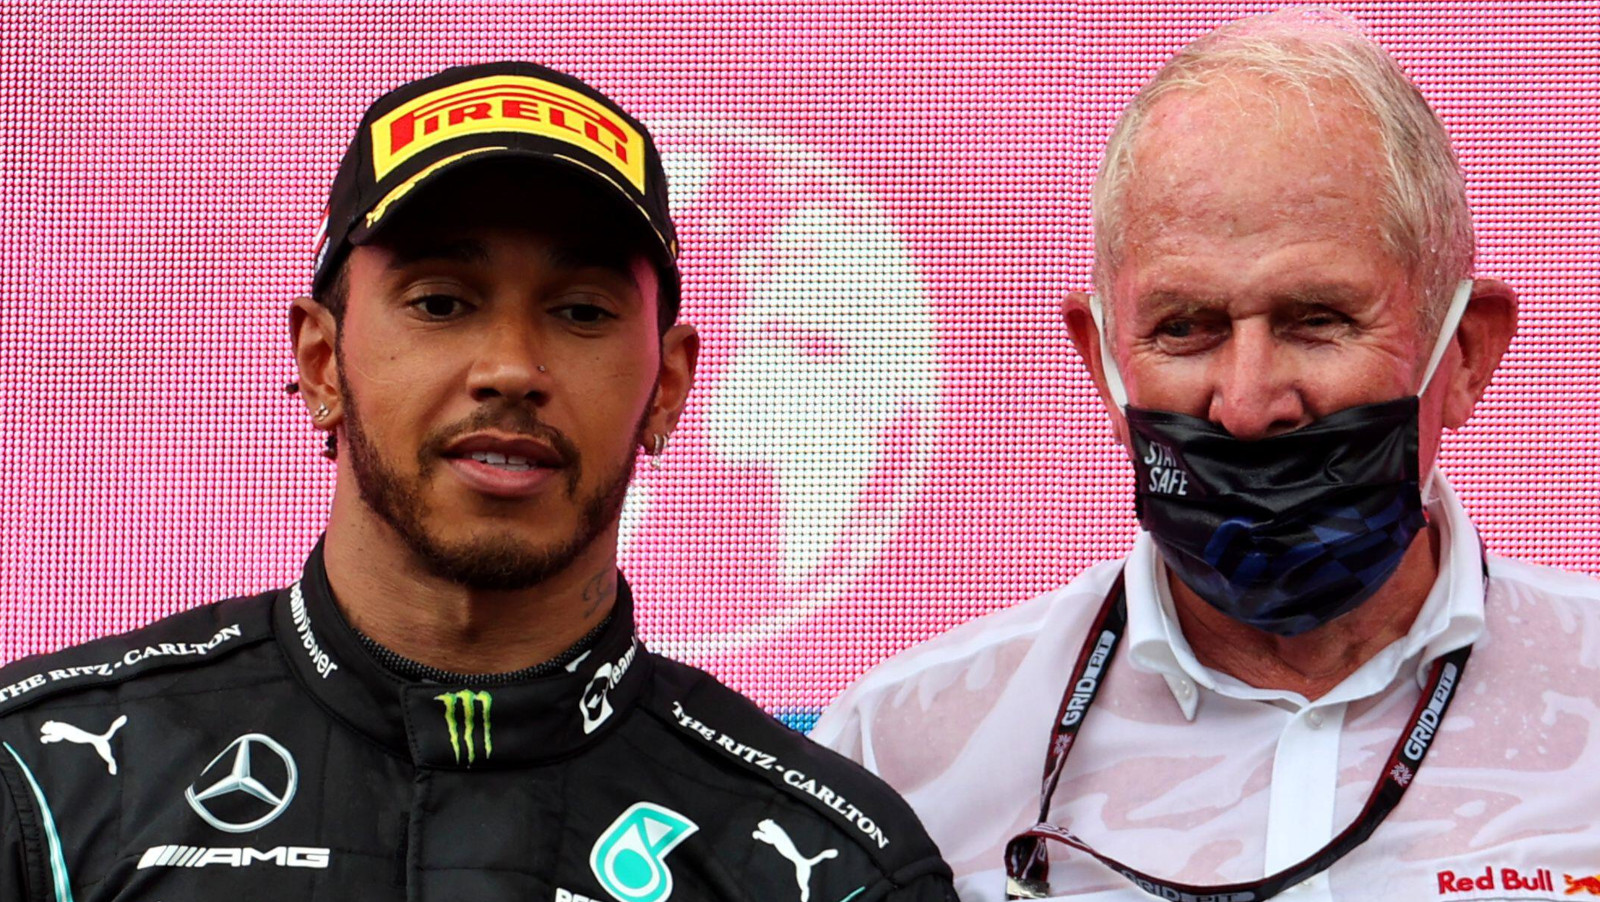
(239, 779)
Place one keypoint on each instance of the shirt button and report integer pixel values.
(1185, 689)
(1315, 719)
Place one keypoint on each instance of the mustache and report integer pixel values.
(508, 418)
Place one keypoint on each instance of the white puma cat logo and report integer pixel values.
(773, 835)
(56, 731)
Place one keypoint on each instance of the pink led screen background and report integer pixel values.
(880, 206)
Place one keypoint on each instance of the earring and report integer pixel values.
(658, 444)
(322, 412)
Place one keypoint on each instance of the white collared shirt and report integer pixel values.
(1189, 774)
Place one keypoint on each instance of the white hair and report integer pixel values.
(1426, 222)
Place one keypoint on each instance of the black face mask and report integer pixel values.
(1283, 533)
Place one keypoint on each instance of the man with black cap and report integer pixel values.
(451, 703)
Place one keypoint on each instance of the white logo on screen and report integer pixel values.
(829, 370)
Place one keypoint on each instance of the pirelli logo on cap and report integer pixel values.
(507, 103)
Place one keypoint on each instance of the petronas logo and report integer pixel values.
(630, 858)
(463, 711)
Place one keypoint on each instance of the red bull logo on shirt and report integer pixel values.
(1577, 886)
(1505, 879)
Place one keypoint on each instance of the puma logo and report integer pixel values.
(773, 835)
(56, 731)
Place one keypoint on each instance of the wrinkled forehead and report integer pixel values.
(1271, 142)
(1242, 157)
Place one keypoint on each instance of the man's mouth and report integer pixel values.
(512, 452)
(513, 462)
(504, 465)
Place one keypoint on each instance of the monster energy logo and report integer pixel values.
(464, 731)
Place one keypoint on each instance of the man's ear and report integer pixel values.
(313, 332)
(680, 352)
(1486, 329)
(1085, 335)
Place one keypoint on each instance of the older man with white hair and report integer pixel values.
(1306, 675)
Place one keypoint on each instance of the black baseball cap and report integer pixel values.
(421, 130)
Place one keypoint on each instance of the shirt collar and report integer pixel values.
(441, 725)
(1451, 617)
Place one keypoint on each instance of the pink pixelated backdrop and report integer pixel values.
(880, 205)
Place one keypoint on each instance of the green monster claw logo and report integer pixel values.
(469, 702)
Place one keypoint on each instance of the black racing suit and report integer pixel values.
(253, 750)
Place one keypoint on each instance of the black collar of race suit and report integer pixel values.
(439, 725)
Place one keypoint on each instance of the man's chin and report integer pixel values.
(493, 564)
(496, 547)
(479, 543)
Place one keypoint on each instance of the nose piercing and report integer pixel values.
(542, 369)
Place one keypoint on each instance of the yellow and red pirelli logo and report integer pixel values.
(507, 103)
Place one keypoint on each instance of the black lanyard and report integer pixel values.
(1028, 864)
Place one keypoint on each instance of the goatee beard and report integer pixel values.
(490, 563)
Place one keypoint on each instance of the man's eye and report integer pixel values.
(1189, 334)
(586, 314)
(439, 306)
(1321, 320)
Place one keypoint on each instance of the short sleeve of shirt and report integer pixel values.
(839, 727)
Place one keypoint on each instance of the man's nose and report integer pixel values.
(510, 363)
(1255, 385)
